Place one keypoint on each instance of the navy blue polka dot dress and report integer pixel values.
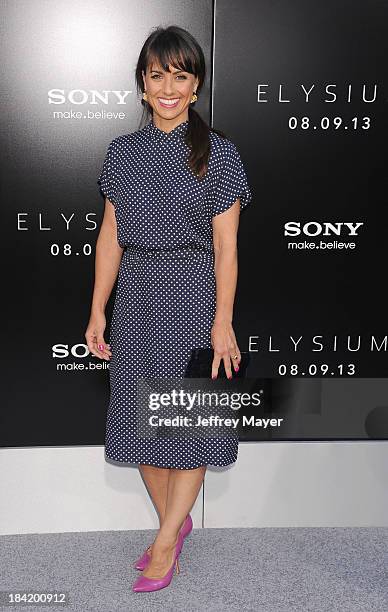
(166, 291)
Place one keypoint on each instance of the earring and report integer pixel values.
(145, 96)
(194, 97)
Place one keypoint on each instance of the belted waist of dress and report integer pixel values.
(135, 252)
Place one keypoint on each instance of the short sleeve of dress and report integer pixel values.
(231, 183)
(107, 178)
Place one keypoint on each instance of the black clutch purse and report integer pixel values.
(200, 365)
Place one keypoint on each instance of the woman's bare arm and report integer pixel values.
(108, 257)
(225, 227)
(107, 263)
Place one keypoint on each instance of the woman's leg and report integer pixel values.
(182, 491)
(156, 481)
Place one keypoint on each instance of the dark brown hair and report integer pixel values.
(175, 46)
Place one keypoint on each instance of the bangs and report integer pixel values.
(167, 51)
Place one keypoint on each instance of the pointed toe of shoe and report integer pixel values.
(145, 585)
(142, 563)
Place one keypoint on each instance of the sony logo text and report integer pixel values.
(314, 228)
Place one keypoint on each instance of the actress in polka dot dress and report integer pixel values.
(174, 290)
(165, 299)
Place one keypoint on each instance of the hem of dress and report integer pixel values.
(175, 467)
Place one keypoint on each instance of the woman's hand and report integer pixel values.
(225, 348)
(95, 336)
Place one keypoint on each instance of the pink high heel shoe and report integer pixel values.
(142, 563)
(143, 584)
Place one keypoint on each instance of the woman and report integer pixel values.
(173, 190)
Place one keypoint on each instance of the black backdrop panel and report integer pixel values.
(301, 88)
(62, 63)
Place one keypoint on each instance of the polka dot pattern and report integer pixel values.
(165, 298)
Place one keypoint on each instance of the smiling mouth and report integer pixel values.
(168, 103)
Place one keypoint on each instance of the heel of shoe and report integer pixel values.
(177, 568)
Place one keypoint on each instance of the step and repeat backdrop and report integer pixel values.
(302, 91)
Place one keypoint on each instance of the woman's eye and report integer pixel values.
(179, 76)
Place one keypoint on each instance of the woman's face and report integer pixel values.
(169, 93)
